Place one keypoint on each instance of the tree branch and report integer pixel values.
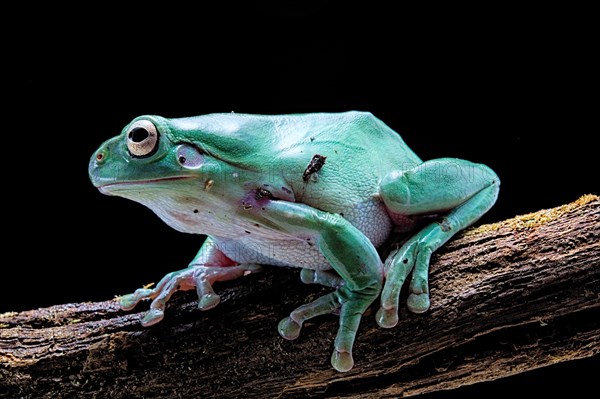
(505, 298)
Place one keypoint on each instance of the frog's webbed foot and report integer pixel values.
(351, 306)
(414, 254)
(199, 277)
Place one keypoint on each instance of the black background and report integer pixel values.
(512, 88)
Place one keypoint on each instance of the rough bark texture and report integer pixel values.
(506, 298)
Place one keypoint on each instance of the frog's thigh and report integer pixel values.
(461, 190)
(351, 255)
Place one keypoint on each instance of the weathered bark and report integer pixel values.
(506, 298)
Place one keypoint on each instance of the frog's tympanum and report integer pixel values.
(321, 192)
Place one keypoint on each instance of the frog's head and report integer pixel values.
(152, 156)
(187, 169)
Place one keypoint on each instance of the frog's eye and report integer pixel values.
(142, 138)
(189, 157)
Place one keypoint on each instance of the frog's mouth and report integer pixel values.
(125, 185)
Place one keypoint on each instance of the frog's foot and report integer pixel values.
(199, 277)
(351, 305)
(414, 254)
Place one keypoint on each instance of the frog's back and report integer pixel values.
(255, 142)
(352, 134)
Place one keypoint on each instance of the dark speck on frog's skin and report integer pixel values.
(262, 193)
(315, 164)
(445, 225)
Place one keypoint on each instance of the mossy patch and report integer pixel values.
(535, 219)
(7, 315)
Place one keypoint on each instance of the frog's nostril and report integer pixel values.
(100, 156)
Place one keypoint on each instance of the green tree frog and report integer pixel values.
(317, 191)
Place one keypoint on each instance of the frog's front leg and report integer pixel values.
(352, 256)
(461, 192)
(208, 266)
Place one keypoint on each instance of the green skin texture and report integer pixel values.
(238, 179)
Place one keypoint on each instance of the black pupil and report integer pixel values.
(138, 135)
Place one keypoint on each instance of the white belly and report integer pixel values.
(275, 252)
(265, 246)
(246, 241)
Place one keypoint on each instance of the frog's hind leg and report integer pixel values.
(459, 190)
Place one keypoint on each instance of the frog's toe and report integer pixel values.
(398, 266)
(152, 317)
(418, 303)
(323, 277)
(342, 360)
(418, 300)
(128, 302)
(387, 318)
(205, 276)
(308, 276)
(289, 329)
(208, 301)
(252, 268)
